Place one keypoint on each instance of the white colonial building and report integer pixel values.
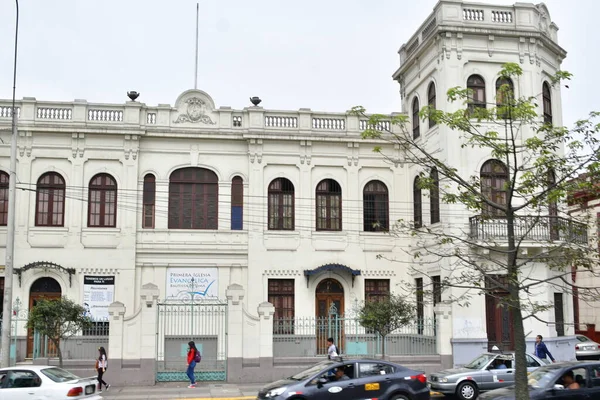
(258, 205)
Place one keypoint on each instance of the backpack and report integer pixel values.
(197, 357)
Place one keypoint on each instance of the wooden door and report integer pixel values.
(43, 288)
(329, 312)
(499, 324)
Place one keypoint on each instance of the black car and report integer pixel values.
(570, 380)
(351, 379)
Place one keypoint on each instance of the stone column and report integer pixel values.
(149, 297)
(235, 331)
(265, 315)
(116, 312)
(224, 217)
(443, 313)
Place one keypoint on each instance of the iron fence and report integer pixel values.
(83, 346)
(180, 322)
(307, 337)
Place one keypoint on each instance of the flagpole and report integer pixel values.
(196, 67)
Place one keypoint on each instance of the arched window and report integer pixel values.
(281, 205)
(417, 204)
(4, 179)
(494, 177)
(547, 103)
(237, 204)
(415, 119)
(505, 94)
(102, 203)
(434, 197)
(476, 86)
(375, 207)
(50, 200)
(431, 101)
(149, 201)
(193, 199)
(329, 206)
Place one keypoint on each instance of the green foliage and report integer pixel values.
(58, 319)
(384, 317)
(545, 166)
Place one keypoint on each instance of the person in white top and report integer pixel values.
(332, 350)
(102, 365)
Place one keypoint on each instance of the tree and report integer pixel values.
(385, 316)
(58, 319)
(518, 229)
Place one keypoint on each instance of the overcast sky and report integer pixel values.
(328, 55)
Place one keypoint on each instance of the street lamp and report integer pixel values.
(10, 223)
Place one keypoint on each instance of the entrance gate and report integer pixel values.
(178, 323)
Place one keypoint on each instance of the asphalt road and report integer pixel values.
(179, 390)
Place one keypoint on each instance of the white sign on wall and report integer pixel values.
(196, 283)
(98, 294)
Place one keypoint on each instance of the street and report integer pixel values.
(179, 390)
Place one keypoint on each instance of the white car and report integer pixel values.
(42, 382)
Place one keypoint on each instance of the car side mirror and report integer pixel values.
(558, 387)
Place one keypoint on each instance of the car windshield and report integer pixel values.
(541, 377)
(59, 375)
(307, 373)
(583, 339)
(480, 361)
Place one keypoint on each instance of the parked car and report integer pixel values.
(350, 379)
(550, 382)
(587, 349)
(36, 382)
(486, 372)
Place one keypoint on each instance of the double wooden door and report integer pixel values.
(329, 312)
(48, 289)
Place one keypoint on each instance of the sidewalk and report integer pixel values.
(179, 390)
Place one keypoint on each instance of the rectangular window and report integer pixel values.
(559, 316)
(237, 204)
(281, 295)
(436, 284)
(377, 289)
(420, 309)
(149, 202)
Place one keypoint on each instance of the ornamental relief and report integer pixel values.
(195, 112)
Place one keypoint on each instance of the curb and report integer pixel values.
(218, 398)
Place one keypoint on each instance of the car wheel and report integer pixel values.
(399, 397)
(466, 391)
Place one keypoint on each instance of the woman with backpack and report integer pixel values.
(193, 357)
(101, 365)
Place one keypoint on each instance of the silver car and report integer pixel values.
(586, 349)
(487, 372)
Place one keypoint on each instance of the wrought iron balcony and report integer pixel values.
(530, 229)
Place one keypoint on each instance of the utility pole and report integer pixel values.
(10, 237)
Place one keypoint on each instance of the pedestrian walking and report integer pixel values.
(101, 365)
(541, 351)
(193, 357)
(332, 350)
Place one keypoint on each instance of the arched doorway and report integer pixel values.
(329, 300)
(42, 288)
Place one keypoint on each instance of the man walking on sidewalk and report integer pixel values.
(541, 351)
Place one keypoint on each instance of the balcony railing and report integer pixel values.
(529, 229)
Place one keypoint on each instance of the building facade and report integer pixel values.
(293, 206)
(585, 205)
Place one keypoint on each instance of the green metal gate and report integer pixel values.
(203, 322)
